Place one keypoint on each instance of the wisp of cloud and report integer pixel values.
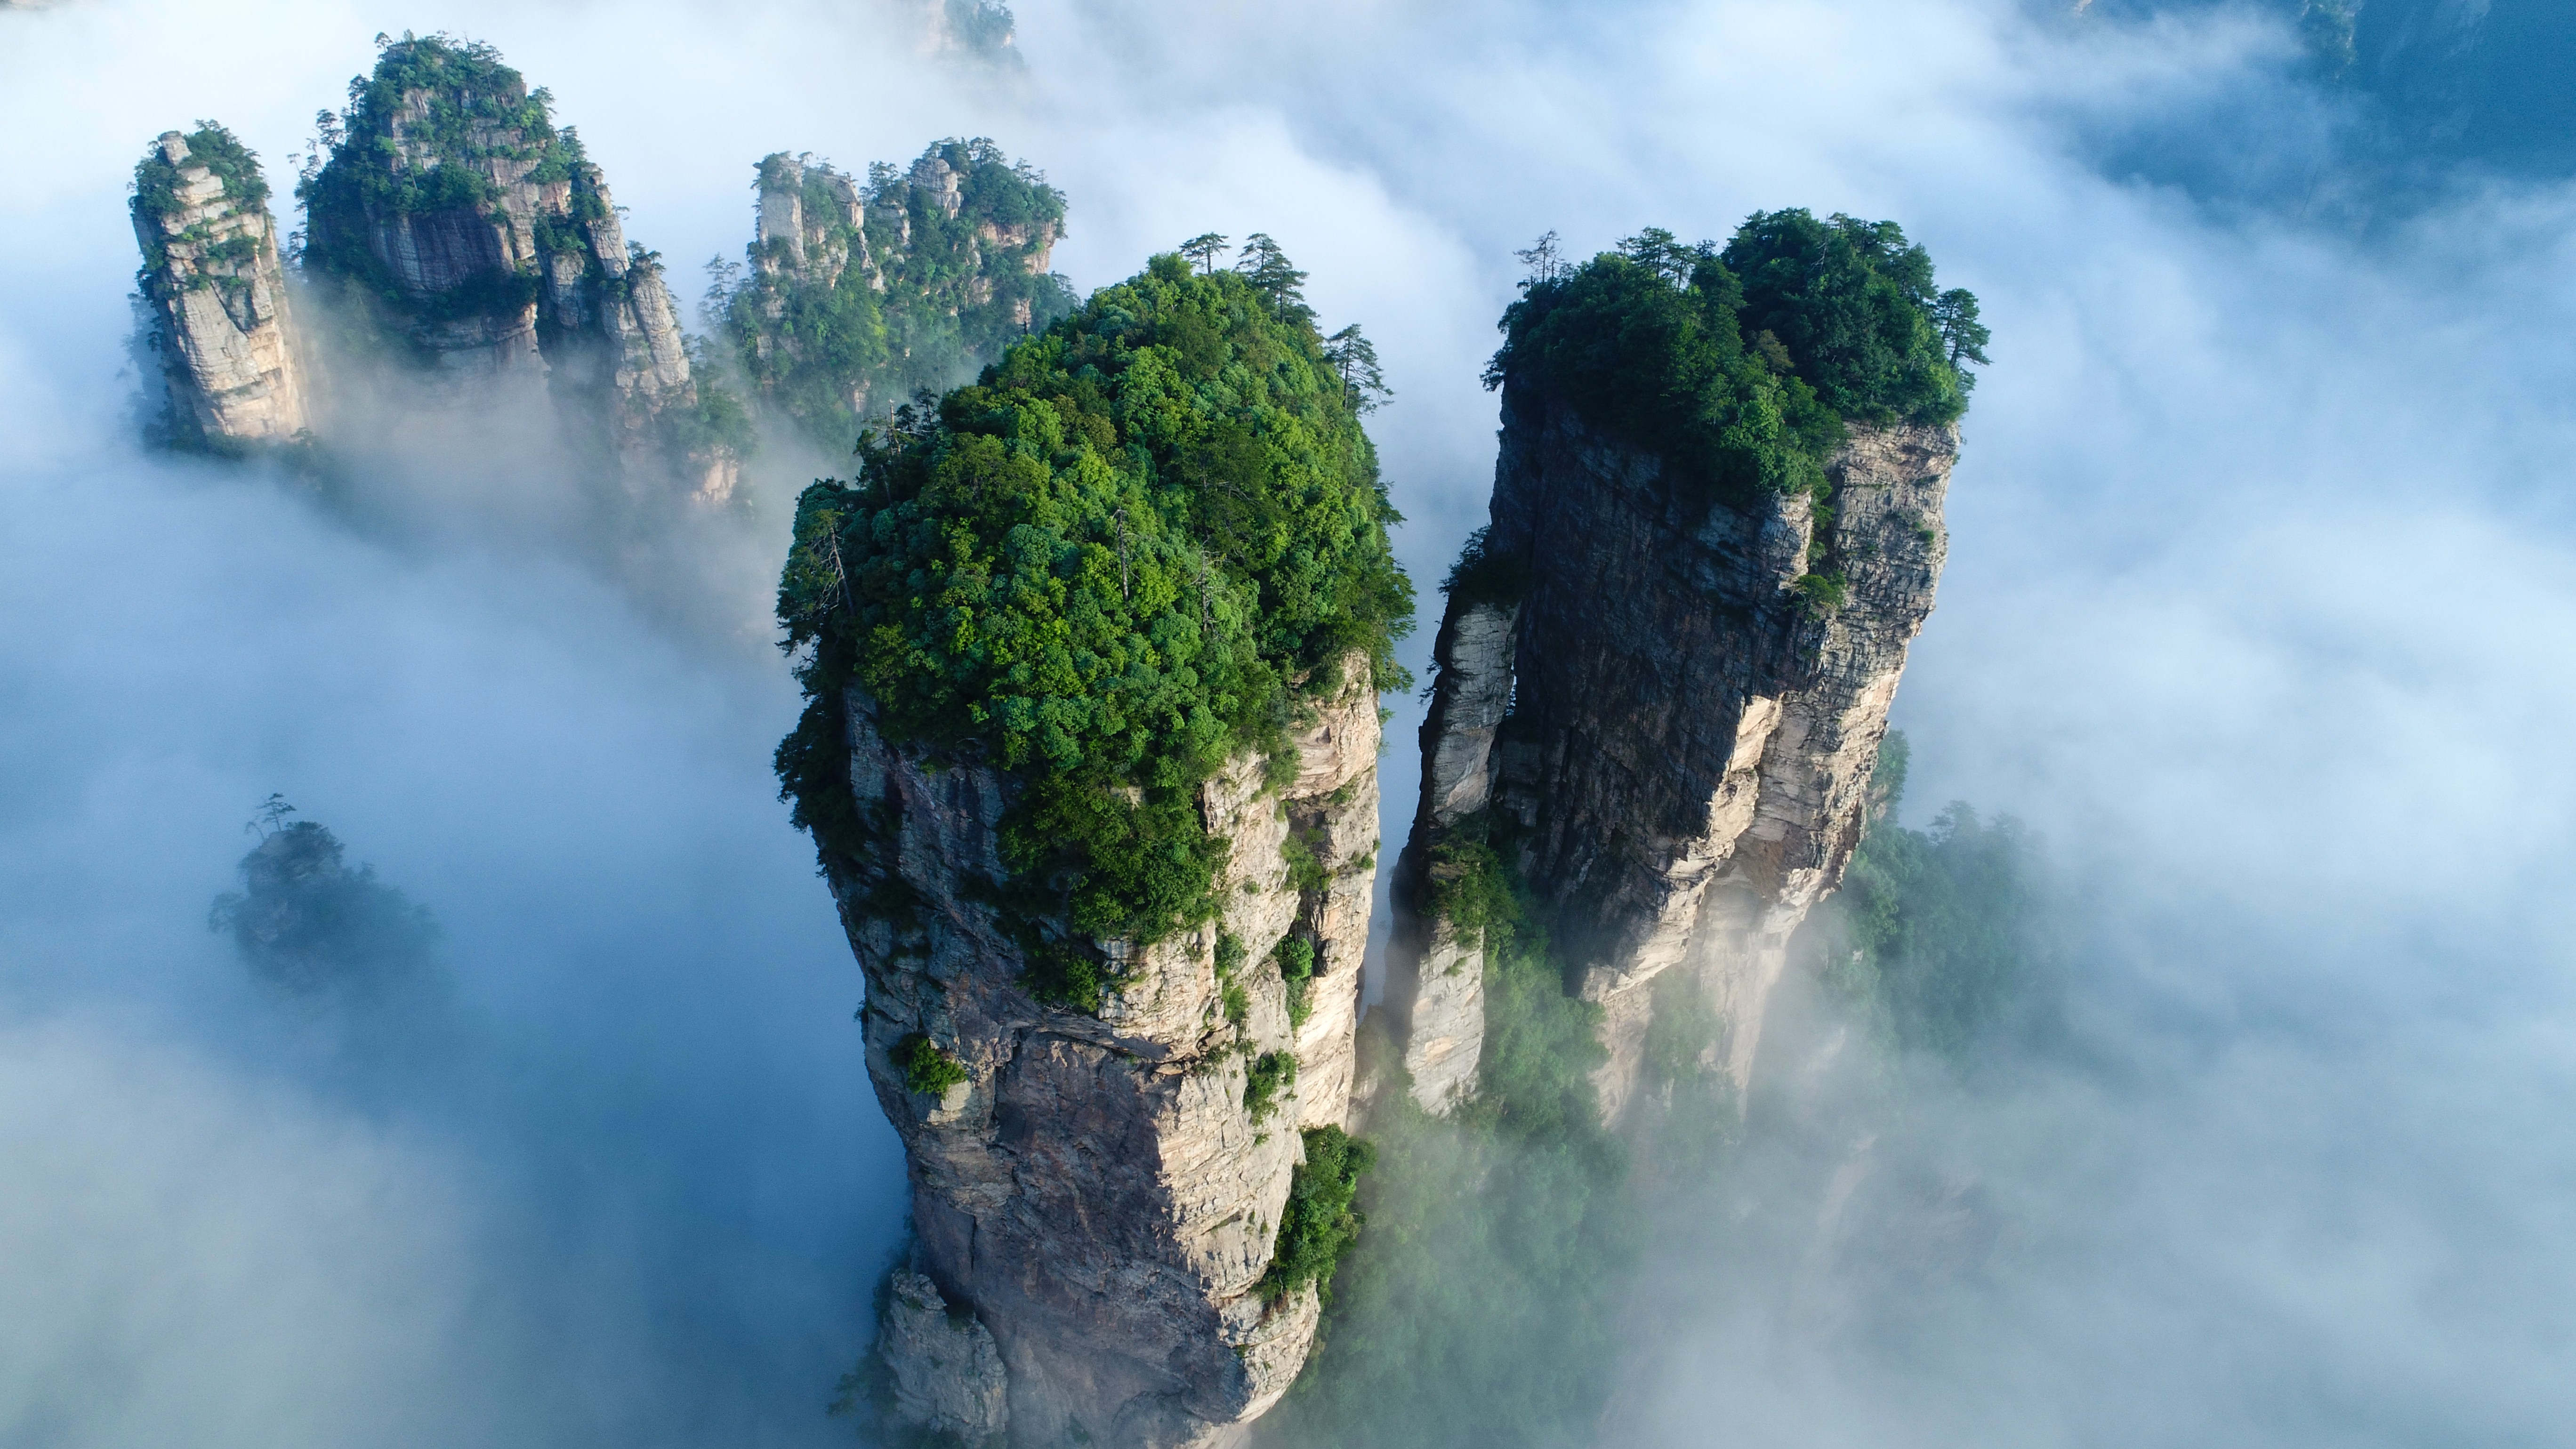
(2258, 609)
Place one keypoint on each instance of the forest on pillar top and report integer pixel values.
(1143, 546)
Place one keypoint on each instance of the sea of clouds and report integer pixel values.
(2260, 608)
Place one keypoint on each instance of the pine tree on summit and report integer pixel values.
(306, 923)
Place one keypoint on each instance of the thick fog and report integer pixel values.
(2260, 608)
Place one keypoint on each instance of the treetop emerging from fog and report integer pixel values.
(1741, 366)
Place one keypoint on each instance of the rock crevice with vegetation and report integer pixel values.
(1092, 651)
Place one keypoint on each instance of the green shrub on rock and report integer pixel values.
(1319, 1223)
(926, 1069)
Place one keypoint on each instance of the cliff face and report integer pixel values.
(466, 227)
(1670, 727)
(1102, 1193)
(217, 291)
(860, 293)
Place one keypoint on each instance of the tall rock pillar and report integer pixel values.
(459, 222)
(1671, 731)
(217, 292)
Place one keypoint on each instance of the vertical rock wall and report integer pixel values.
(1682, 767)
(1095, 1193)
(217, 290)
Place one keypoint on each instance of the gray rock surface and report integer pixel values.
(1435, 979)
(1682, 770)
(946, 1369)
(1097, 1190)
(217, 291)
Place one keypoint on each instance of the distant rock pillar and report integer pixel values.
(1436, 975)
(217, 292)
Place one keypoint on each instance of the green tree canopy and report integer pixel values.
(1741, 367)
(1114, 563)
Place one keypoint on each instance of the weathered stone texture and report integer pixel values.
(598, 329)
(1682, 770)
(812, 234)
(1097, 1190)
(218, 292)
(1435, 980)
(947, 1371)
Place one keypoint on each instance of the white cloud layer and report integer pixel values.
(2260, 607)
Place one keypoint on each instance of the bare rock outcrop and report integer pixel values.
(216, 290)
(1103, 1191)
(1671, 721)
(946, 1370)
(1438, 992)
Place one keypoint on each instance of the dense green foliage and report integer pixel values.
(923, 301)
(1948, 928)
(1295, 956)
(454, 100)
(1479, 1310)
(925, 1067)
(1124, 557)
(1319, 1223)
(156, 189)
(1481, 576)
(1740, 367)
(305, 922)
(1857, 311)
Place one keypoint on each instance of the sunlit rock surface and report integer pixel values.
(458, 228)
(1097, 1193)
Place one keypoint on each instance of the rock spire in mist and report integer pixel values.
(460, 253)
(306, 923)
(453, 215)
(1665, 666)
(860, 293)
(216, 291)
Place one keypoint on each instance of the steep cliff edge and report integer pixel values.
(458, 224)
(860, 293)
(1090, 761)
(216, 289)
(1666, 665)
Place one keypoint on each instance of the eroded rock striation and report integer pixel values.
(216, 290)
